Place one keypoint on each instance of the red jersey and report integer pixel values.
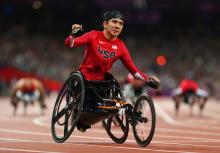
(100, 54)
(187, 85)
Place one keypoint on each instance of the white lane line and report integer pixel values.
(101, 138)
(184, 144)
(23, 132)
(204, 121)
(25, 150)
(91, 137)
(212, 115)
(82, 143)
(189, 132)
(192, 138)
(40, 121)
(52, 142)
(189, 141)
(130, 148)
(9, 140)
(164, 115)
(160, 112)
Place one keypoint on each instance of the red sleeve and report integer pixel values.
(67, 41)
(128, 62)
(80, 41)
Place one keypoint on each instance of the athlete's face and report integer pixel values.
(114, 26)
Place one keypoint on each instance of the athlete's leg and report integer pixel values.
(177, 101)
(42, 103)
(192, 100)
(203, 97)
(177, 98)
(202, 103)
(14, 102)
(25, 103)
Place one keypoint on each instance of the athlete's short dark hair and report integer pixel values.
(112, 14)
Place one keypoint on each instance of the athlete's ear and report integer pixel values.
(104, 24)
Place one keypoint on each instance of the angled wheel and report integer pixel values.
(144, 120)
(67, 107)
(117, 127)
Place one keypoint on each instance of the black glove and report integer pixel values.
(77, 32)
(153, 83)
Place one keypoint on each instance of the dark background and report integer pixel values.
(143, 17)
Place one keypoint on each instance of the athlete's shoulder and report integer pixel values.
(93, 33)
(96, 32)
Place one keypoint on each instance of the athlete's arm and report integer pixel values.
(129, 64)
(152, 81)
(71, 41)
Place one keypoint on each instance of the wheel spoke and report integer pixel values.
(110, 129)
(120, 123)
(63, 111)
(66, 123)
(59, 115)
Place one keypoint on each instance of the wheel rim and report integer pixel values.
(67, 108)
(144, 126)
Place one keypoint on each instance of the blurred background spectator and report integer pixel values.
(173, 39)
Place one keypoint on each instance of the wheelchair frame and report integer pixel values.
(73, 110)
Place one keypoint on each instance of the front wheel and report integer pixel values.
(117, 127)
(144, 120)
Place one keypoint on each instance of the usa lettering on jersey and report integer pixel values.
(105, 53)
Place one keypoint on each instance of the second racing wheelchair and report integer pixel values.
(82, 103)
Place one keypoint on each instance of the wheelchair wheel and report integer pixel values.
(144, 120)
(67, 107)
(117, 127)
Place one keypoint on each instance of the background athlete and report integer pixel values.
(190, 93)
(27, 91)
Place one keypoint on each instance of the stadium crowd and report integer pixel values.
(192, 57)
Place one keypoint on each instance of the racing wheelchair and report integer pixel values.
(82, 102)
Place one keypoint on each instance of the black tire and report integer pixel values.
(113, 123)
(104, 123)
(148, 119)
(67, 107)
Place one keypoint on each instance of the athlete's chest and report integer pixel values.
(106, 50)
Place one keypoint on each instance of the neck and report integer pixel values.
(109, 36)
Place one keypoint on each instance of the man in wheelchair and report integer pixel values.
(102, 49)
(189, 93)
